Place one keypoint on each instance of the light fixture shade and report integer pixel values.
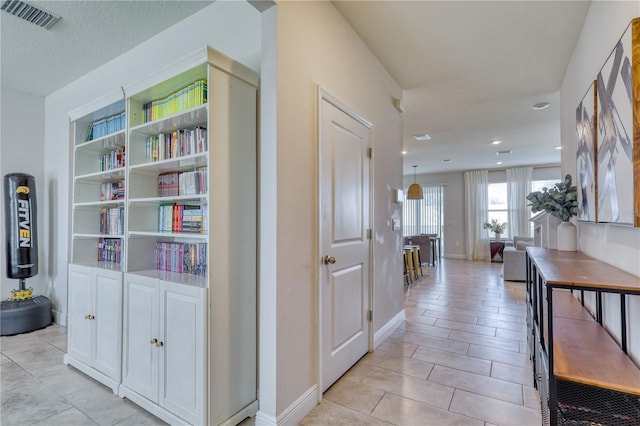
(414, 192)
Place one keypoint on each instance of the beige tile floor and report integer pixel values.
(460, 358)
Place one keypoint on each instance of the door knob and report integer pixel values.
(89, 317)
(328, 260)
(159, 344)
(154, 341)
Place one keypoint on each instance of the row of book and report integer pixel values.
(188, 97)
(176, 144)
(112, 221)
(184, 258)
(106, 126)
(109, 250)
(113, 159)
(182, 218)
(183, 183)
(112, 191)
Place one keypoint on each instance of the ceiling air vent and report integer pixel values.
(35, 15)
(505, 152)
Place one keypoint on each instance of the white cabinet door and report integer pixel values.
(182, 359)
(80, 308)
(141, 333)
(108, 323)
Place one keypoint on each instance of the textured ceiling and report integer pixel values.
(471, 72)
(89, 34)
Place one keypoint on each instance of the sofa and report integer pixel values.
(513, 257)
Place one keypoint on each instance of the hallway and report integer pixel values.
(460, 358)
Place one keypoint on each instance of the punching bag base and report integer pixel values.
(23, 316)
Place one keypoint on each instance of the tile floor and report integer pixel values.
(460, 358)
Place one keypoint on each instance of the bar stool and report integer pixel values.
(417, 262)
(408, 257)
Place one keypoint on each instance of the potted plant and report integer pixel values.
(495, 227)
(560, 201)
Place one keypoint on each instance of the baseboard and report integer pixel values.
(59, 318)
(386, 330)
(455, 256)
(294, 413)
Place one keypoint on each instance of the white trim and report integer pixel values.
(248, 411)
(263, 419)
(155, 409)
(454, 256)
(324, 95)
(91, 372)
(386, 330)
(59, 318)
(302, 406)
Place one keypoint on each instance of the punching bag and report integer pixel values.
(20, 213)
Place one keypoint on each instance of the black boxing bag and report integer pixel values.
(20, 213)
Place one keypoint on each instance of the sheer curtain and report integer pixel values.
(476, 184)
(518, 187)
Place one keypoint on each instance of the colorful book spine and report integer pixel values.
(185, 98)
(109, 250)
(186, 258)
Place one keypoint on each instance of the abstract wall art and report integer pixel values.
(618, 134)
(586, 133)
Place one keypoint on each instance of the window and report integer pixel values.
(424, 216)
(498, 206)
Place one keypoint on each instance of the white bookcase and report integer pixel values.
(205, 316)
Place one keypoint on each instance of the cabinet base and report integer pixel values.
(91, 372)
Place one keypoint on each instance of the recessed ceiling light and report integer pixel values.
(499, 162)
(404, 152)
(496, 142)
(446, 160)
(423, 137)
(541, 105)
(505, 152)
(558, 147)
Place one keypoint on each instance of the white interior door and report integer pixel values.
(344, 243)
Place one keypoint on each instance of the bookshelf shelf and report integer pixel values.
(185, 163)
(104, 143)
(102, 176)
(189, 118)
(156, 201)
(93, 236)
(185, 279)
(176, 235)
(106, 203)
(208, 185)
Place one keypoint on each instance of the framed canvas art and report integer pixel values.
(618, 135)
(586, 133)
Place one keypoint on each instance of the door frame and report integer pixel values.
(324, 95)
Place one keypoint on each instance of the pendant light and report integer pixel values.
(415, 190)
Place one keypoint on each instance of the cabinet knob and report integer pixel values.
(153, 341)
(159, 344)
(89, 317)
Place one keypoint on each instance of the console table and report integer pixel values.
(583, 375)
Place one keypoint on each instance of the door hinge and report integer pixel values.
(369, 234)
(369, 315)
(370, 152)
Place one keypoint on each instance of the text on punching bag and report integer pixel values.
(24, 214)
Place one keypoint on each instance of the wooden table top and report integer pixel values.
(576, 269)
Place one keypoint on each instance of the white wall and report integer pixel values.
(231, 27)
(315, 46)
(22, 151)
(616, 245)
(454, 208)
(454, 204)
